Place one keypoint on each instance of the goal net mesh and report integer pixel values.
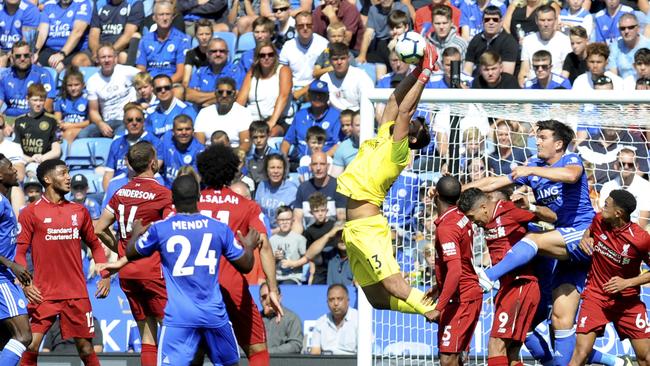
(474, 140)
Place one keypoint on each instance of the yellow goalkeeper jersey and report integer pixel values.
(377, 164)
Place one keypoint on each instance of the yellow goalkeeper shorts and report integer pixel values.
(370, 249)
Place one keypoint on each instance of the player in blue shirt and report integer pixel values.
(62, 31)
(401, 201)
(190, 246)
(559, 182)
(163, 51)
(13, 306)
(178, 148)
(18, 21)
(14, 82)
(161, 119)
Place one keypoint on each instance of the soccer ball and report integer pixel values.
(410, 47)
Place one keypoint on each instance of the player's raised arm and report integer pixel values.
(567, 174)
(489, 184)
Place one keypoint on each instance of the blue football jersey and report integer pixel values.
(160, 121)
(11, 26)
(8, 235)
(173, 158)
(72, 110)
(190, 246)
(161, 57)
(13, 90)
(61, 20)
(569, 201)
(205, 80)
(401, 200)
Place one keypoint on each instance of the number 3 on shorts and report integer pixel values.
(375, 262)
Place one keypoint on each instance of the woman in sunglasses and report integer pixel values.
(266, 89)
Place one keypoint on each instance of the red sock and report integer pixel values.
(498, 361)
(519, 363)
(261, 358)
(149, 355)
(90, 360)
(29, 358)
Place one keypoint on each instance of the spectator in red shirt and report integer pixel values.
(335, 11)
(424, 17)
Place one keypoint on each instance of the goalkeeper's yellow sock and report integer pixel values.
(413, 303)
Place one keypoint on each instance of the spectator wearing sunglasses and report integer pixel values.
(492, 37)
(544, 77)
(597, 75)
(18, 20)
(161, 119)
(285, 23)
(204, 80)
(135, 132)
(621, 58)
(471, 16)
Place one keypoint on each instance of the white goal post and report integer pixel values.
(381, 331)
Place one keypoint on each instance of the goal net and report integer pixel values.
(477, 133)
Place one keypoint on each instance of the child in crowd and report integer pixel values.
(71, 106)
(316, 137)
(287, 245)
(346, 123)
(143, 84)
(335, 34)
(220, 137)
(259, 132)
(323, 228)
(37, 133)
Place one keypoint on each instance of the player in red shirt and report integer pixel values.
(461, 297)
(612, 294)
(54, 227)
(517, 299)
(143, 198)
(218, 166)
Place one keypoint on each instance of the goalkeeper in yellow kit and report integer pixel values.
(367, 180)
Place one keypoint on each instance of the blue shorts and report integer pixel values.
(572, 237)
(12, 301)
(177, 346)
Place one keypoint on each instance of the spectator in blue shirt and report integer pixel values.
(71, 107)
(117, 22)
(79, 194)
(161, 119)
(606, 21)
(18, 21)
(471, 15)
(203, 82)
(276, 190)
(163, 50)
(14, 83)
(443, 81)
(348, 148)
(621, 58)
(544, 77)
(62, 32)
(135, 132)
(178, 148)
(318, 114)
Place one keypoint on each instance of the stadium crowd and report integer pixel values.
(84, 81)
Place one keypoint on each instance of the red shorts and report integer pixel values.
(242, 310)
(456, 326)
(76, 317)
(515, 308)
(630, 318)
(146, 297)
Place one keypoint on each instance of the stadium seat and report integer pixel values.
(231, 41)
(86, 71)
(275, 142)
(99, 149)
(245, 42)
(94, 180)
(53, 75)
(79, 154)
(370, 69)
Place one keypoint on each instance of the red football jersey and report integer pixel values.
(454, 237)
(239, 213)
(140, 199)
(55, 231)
(509, 225)
(617, 252)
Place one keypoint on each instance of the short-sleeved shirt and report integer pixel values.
(378, 163)
(174, 158)
(205, 79)
(112, 19)
(307, 188)
(12, 26)
(293, 246)
(161, 121)
(161, 57)
(113, 92)
(346, 152)
(120, 146)
(347, 93)
(36, 135)
(570, 201)
(606, 26)
(8, 233)
(471, 14)
(301, 58)
(270, 198)
(13, 89)
(190, 246)
(237, 120)
(621, 58)
(196, 58)
(140, 199)
(297, 133)
(559, 46)
(12, 151)
(72, 110)
(575, 66)
(337, 340)
(61, 21)
(454, 243)
(616, 252)
(378, 19)
(503, 43)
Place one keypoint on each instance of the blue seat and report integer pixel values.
(99, 150)
(370, 69)
(79, 154)
(94, 180)
(245, 42)
(275, 142)
(231, 41)
(53, 75)
(86, 71)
